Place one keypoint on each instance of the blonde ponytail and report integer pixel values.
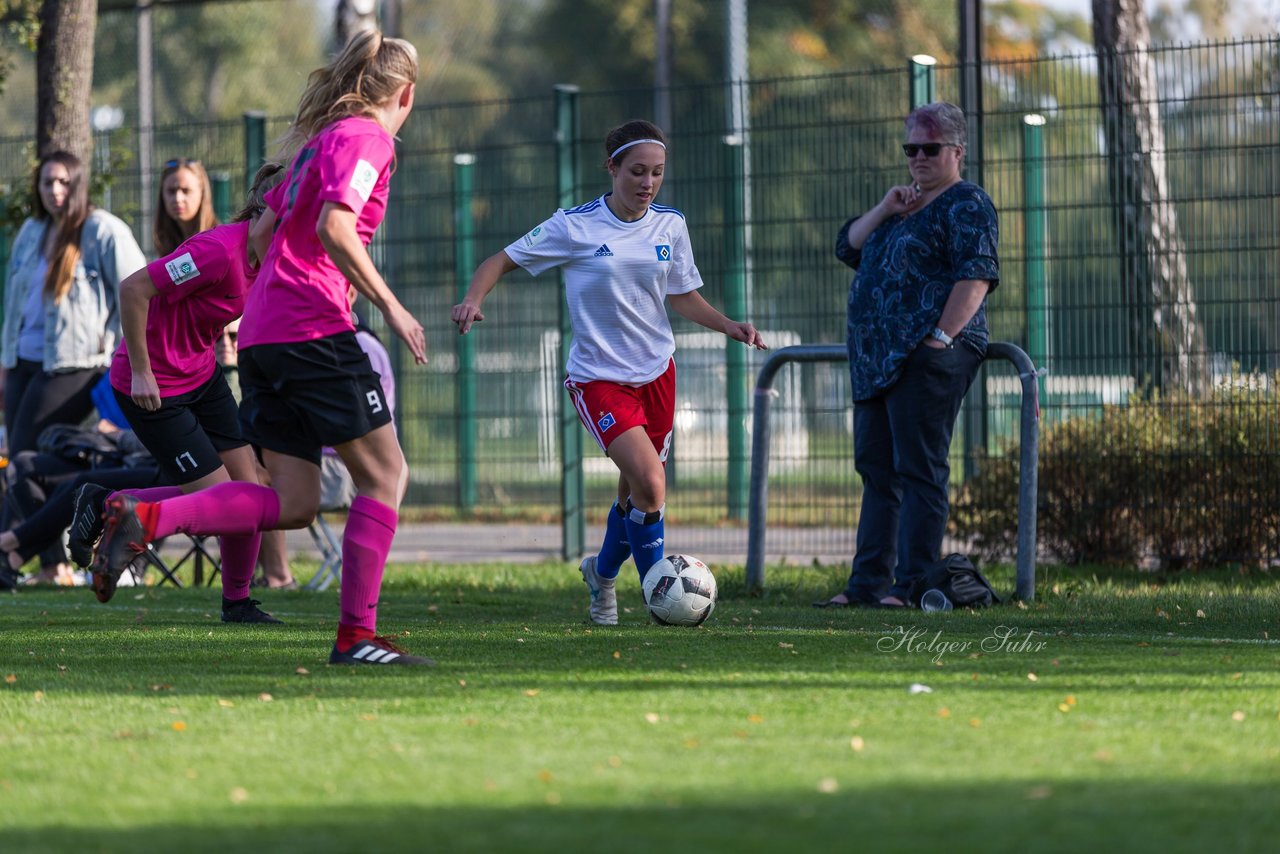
(368, 72)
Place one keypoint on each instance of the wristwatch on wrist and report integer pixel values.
(938, 335)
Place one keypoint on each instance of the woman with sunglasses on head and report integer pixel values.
(623, 258)
(62, 313)
(306, 383)
(185, 206)
(926, 259)
(169, 385)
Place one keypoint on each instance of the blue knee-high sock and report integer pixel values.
(615, 549)
(645, 531)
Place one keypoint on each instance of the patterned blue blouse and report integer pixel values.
(906, 270)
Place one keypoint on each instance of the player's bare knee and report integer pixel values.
(297, 516)
(649, 493)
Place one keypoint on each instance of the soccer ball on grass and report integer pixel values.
(679, 591)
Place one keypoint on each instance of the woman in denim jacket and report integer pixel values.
(62, 308)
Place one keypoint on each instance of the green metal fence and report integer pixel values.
(487, 442)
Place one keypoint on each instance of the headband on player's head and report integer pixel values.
(624, 147)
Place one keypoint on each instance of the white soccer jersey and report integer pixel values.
(617, 275)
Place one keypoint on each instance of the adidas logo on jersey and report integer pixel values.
(603, 251)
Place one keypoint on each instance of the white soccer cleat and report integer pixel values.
(604, 594)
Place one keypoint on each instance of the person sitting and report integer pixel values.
(42, 494)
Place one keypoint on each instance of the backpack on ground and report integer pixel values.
(959, 580)
(80, 445)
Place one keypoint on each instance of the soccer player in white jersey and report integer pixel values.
(622, 256)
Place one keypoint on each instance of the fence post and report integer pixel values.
(464, 264)
(572, 488)
(921, 70)
(735, 301)
(970, 64)
(221, 182)
(1037, 294)
(255, 145)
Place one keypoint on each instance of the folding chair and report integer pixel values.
(336, 494)
(197, 553)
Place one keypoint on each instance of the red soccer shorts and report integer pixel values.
(609, 409)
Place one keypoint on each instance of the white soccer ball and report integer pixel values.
(680, 591)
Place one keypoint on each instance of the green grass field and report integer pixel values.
(1114, 714)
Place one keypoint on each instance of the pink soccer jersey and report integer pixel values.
(202, 288)
(300, 294)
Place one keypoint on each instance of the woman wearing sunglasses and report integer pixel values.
(926, 259)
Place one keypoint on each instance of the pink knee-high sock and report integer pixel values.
(233, 507)
(239, 556)
(154, 493)
(366, 541)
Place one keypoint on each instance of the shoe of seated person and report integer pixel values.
(87, 513)
(377, 650)
(9, 578)
(246, 611)
(122, 542)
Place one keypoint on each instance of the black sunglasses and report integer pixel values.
(930, 149)
(185, 161)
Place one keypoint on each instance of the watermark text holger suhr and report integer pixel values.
(916, 640)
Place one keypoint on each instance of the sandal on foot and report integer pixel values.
(843, 600)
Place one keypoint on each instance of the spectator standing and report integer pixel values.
(185, 206)
(62, 310)
(926, 259)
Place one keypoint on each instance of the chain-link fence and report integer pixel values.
(819, 150)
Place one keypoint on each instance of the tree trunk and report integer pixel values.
(64, 76)
(1167, 341)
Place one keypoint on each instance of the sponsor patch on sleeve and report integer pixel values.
(535, 237)
(182, 269)
(364, 179)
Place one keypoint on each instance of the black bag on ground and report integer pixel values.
(83, 446)
(959, 580)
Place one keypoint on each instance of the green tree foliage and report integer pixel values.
(212, 60)
(1016, 30)
(787, 37)
(472, 50)
(19, 23)
(1212, 19)
(19, 28)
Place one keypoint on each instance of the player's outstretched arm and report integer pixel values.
(693, 307)
(484, 280)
